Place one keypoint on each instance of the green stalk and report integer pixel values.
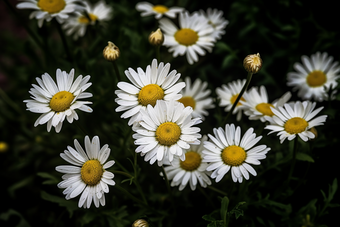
(115, 67)
(158, 54)
(64, 41)
(294, 159)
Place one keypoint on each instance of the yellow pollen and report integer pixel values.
(51, 6)
(160, 9)
(149, 94)
(85, 19)
(316, 78)
(91, 172)
(233, 155)
(192, 161)
(295, 125)
(188, 101)
(168, 133)
(186, 36)
(61, 101)
(264, 108)
(233, 99)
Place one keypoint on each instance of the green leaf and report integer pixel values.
(304, 157)
(224, 207)
(50, 179)
(70, 205)
(22, 223)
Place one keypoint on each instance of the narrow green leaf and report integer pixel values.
(304, 157)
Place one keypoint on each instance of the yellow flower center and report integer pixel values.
(149, 94)
(233, 155)
(61, 101)
(51, 6)
(295, 125)
(188, 101)
(85, 19)
(186, 36)
(160, 9)
(233, 99)
(192, 161)
(168, 133)
(91, 172)
(316, 78)
(264, 108)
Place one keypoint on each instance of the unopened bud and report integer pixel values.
(140, 223)
(252, 63)
(111, 52)
(156, 38)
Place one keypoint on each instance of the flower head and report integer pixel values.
(216, 19)
(111, 52)
(148, 9)
(228, 151)
(87, 173)
(252, 63)
(58, 101)
(314, 77)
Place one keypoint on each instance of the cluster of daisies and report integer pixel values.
(74, 15)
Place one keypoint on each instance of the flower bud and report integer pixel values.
(111, 52)
(156, 38)
(140, 223)
(252, 63)
(3, 146)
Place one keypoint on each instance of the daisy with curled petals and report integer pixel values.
(91, 15)
(87, 173)
(196, 95)
(216, 19)
(166, 131)
(192, 38)
(314, 77)
(191, 170)
(227, 94)
(228, 151)
(293, 119)
(156, 83)
(58, 101)
(49, 9)
(148, 9)
(257, 104)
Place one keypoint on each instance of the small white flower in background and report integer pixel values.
(293, 119)
(156, 83)
(227, 94)
(218, 22)
(314, 77)
(192, 170)
(159, 11)
(165, 131)
(228, 151)
(91, 15)
(197, 96)
(58, 101)
(49, 9)
(258, 105)
(192, 38)
(87, 173)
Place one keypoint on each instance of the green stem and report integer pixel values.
(7, 100)
(81, 128)
(135, 179)
(124, 191)
(244, 88)
(64, 41)
(216, 190)
(158, 54)
(294, 159)
(115, 67)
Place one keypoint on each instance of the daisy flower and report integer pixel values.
(87, 173)
(77, 25)
(314, 77)
(196, 96)
(166, 131)
(228, 151)
(216, 19)
(156, 83)
(294, 119)
(49, 9)
(148, 9)
(257, 104)
(228, 95)
(191, 170)
(58, 101)
(192, 38)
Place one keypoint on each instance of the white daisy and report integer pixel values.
(148, 9)
(87, 173)
(166, 131)
(156, 83)
(314, 77)
(227, 150)
(97, 13)
(216, 19)
(257, 104)
(293, 119)
(196, 96)
(191, 170)
(227, 95)
(192, 38)
(58, 101)
(49, 9)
